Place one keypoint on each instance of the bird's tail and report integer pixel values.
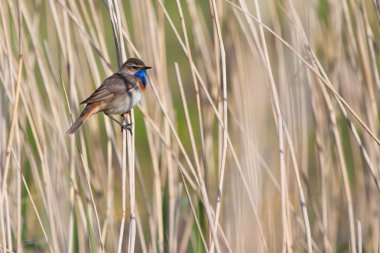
(89, 110)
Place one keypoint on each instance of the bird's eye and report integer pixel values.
(135, 67)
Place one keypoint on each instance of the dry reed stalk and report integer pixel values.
(196, 88)
(3, 197)
(341, 101)
(287, 243)
(140, 232)
(225, 133)
(293, 156)
(128, 139)
(191, 134)
(199, 178)
(172, 194)
(148, 208)
(158, 52)
(50, 200)
(325, 81)
(132, 194)
(197, 73)
(32, 201)
(87, 175)
(249, 166)
(110, 194)
(11, 132)
(359, 236)
(337, 138)
(72, 141)
(308, 237)
(343, 168)
(72, 178)
(202, 186)
(157, 187)
(173, 153)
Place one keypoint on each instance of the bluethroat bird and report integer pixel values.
(118, 94)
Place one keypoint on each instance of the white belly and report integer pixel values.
(121, 105)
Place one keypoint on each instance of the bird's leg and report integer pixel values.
(129, 125)
(130, 117)
(125, 127)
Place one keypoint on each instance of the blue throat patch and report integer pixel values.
(142, 75)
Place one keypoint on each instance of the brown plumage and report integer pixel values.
(118, 94)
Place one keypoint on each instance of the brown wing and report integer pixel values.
(115, 85)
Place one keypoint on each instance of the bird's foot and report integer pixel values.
(126, 127)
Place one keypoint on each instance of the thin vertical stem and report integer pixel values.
(8, 153)
(224, 107)
(128, 138)
(132, 194)
(123, 183)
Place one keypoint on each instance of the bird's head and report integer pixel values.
(135, 67)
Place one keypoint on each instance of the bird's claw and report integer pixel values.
(127, 127)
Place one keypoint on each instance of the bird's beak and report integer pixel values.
(147, 67)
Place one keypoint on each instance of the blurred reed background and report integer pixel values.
(258, 131)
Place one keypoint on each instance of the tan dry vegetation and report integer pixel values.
(259, 130)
